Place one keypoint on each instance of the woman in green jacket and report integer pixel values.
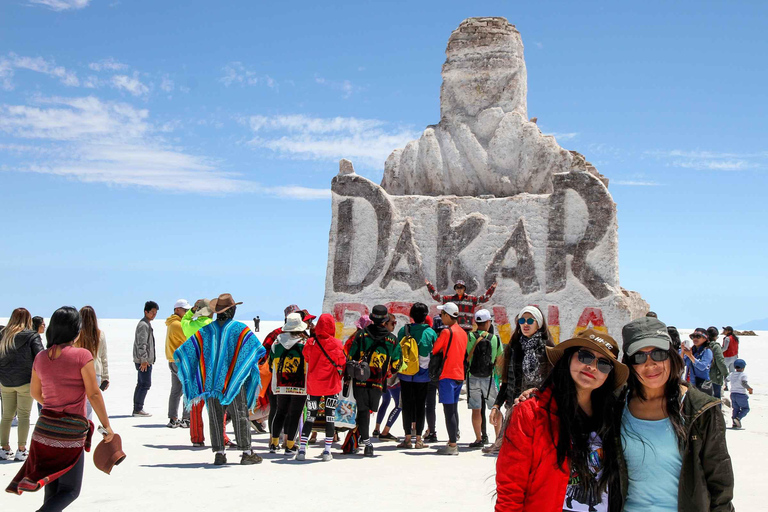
(674, 455)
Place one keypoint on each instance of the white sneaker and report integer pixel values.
(21, 456)
(6, 454)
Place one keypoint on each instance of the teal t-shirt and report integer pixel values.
(654, 463)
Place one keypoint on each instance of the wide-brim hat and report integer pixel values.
(222, 303)
(294, 323)
(204, 307)
(600, 342)
(108, 455)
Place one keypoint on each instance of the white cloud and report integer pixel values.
(167, 84)
(237, 73)
(96, 141)
(109, 64)
(631, 183)
(369, 141)
(712, 160)
(345, 86)
(37, 64)
(539, 45)
(61, 5)
(564, 136)
(132, 84)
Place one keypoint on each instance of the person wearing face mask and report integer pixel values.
(559, 450)
(698, 359)
(674, 455)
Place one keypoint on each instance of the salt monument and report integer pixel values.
(485, 197)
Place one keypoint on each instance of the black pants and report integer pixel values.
(451, 420)
(413, 395)
(431, 404)
(330, 415)
(368, 400)
(289, 409)
(143, 383)
(60, 493)
(272, 412)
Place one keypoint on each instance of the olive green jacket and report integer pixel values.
(719, 370)
(706, 477)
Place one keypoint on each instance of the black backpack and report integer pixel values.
(482, 358)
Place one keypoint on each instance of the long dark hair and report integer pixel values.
(672, 393)
(514, 341)
(573, 440)
(90, 334)
(64, 326)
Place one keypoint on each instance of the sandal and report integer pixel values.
(405, 444)
(419, 444)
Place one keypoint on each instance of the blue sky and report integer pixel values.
(181, 149)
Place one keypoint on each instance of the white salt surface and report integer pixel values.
(163, 471)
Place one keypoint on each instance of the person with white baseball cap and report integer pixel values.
(484, 351)
(452, 344)
(174, 337)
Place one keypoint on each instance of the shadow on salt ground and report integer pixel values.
(155, 425)
(120, 416)
(186, 465)
(176, 447)
(293, 462)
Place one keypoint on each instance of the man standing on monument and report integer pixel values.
(466, 303)
(220, 364)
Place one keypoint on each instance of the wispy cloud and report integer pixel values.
(167, 84)
(564, 135)
(109, 64)
(367, 141)
(115, 143)
(131, 84)
(712, 160)
(539, 45)
(631, 183)
(235, 73)
(61, 5)
(346, 87)
(37, 64)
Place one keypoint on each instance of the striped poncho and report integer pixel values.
(217, 361)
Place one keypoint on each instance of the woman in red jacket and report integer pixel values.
(560, 450)
(325, 364)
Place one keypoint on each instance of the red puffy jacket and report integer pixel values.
(527, 475)
(323, 378)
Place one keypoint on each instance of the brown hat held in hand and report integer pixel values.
(108, 455)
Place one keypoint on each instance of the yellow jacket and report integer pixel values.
(174, 337)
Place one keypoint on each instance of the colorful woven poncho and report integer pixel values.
(217, 361)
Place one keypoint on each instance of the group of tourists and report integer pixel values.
(576, 427)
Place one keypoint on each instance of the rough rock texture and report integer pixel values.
(484, 197)
(484, 143)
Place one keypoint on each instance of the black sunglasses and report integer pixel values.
(695, 336)
(524, 321)
(603, 364)
(656, 354)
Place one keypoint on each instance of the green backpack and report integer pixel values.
(410, 348)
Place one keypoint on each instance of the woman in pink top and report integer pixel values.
(63, 377)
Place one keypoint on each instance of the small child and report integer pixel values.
(739, 388)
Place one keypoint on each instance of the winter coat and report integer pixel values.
(385, 354)
(191, 325)
(706, 477)
(528, 478)
(719, 370)
(16, 365)
(144, 343)
(174, 336)
(323, 378)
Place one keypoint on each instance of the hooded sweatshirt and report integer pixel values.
(190, 326)
(174, 336)
(323, 378)
(289, 368)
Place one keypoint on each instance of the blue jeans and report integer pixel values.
(717, 390)
(143, 384)
(740, 403)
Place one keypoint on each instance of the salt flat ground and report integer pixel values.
(163, 471)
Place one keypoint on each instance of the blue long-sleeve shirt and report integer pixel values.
(703, 362)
